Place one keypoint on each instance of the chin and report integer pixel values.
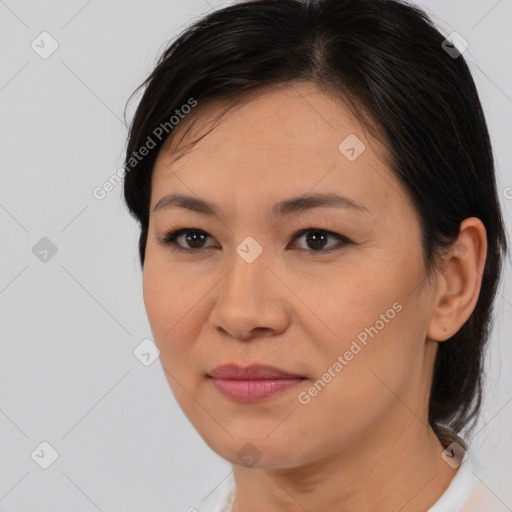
(255, 453)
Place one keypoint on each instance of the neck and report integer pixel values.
(383, 471)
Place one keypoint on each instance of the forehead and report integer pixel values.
(282, 141)
(297, 116)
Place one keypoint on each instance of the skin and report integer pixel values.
(363, 443)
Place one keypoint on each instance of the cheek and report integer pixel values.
(377, 323)
(162, 302)
(155, 298)
(166, 310)
(347, 301)
(173, 306)
(358, 382)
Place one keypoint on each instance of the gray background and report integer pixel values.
(68, 375)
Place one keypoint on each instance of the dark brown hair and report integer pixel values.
(386, 60)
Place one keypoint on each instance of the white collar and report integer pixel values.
(461, 487)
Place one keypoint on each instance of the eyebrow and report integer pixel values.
(291, 205)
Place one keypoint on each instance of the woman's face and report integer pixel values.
(348, 315)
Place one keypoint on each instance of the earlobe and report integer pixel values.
(460, 281)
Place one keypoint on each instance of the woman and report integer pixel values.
(321, 244)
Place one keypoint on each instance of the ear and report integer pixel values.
(460, 281)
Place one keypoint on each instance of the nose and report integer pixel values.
(251, 302)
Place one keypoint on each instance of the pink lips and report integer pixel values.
(253, 383)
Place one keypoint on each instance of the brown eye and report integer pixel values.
(317, 239)
(192, 238)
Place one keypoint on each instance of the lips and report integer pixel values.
(253, 372)
(253, 383)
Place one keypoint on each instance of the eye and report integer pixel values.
(193, 236)
(316, 240)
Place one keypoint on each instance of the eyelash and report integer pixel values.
(169, 240)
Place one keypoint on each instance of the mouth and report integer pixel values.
(253, 383)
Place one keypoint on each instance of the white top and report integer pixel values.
(467, 492)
